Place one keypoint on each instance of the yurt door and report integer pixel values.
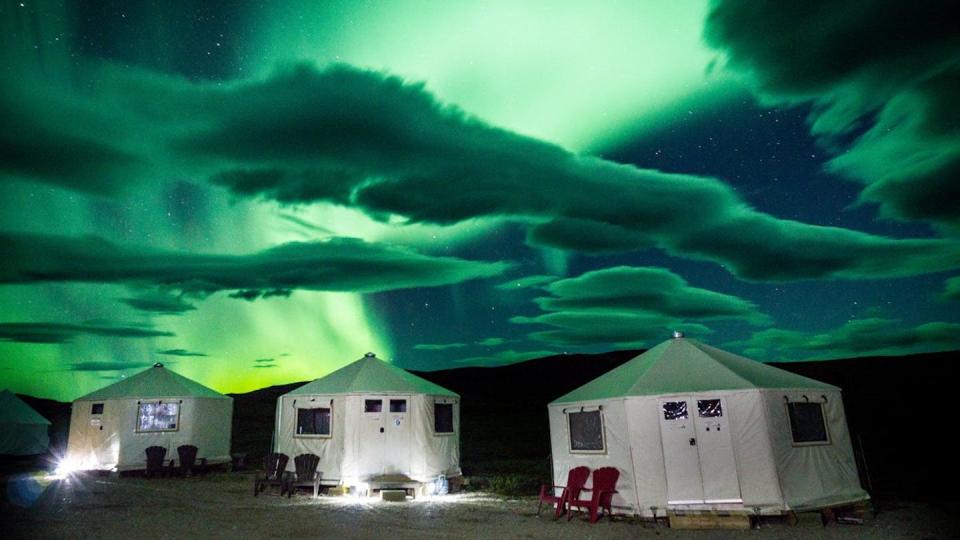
(718, 467)
(396, 446)
(373, 435)
(681, 458)
(698, 452)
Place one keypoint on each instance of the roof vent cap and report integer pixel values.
(370, 355)
(158, 364)
(677, 334)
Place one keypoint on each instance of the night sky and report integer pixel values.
(259, 193)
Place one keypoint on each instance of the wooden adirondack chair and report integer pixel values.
(188, 459)
(274, 473)
(576, 478)
(601, 492)
(155, 458)
(306, 474)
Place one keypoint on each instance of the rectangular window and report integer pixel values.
(807, 423)
(97, 408)
(443, 417)
(313, 422)
(586, 431)
(372, 405)
(158, 416)
(709, 408)
(674, 410)
(398, 405)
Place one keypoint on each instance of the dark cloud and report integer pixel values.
(337, 264)
(264, 366)
(105, 366)
(159, 303)
(644, 290)
(180, 352)
(264, 360)
(49, 332)
(852, 59)
(609, 328)
(587, 236)
(438, 346)
(252, 294)
(860, 337)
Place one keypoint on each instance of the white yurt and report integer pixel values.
(695, 428)
(23, 431)
(111, 428)
(372, 424)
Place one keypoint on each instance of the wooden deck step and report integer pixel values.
(708, 520)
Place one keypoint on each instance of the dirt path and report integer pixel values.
(222, 506)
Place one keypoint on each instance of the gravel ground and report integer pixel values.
(222, 506)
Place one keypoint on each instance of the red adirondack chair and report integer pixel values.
(576, 478)
(602, 490)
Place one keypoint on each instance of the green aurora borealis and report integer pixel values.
(259, 195)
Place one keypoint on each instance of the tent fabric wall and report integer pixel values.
(109, 439)
(341, 454)
(23, 431)
(204, 423)
(774, 474)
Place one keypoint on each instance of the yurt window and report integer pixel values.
(97, 408)
(313, 422)
(586, 431)
(398, 405)
(443, 417)
(372, 405)
(158, 416)
(675, 410)
(807, 423)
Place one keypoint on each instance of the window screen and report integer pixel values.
(443, 417)
(709, 408)
(372, 405)
(97, 408)
(398, 405)
(586, 431)
(673, 410)
(158, 416)
(313, 421)
(806, 422)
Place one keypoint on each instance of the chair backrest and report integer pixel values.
(155, 455)
(188, 455)
(275, 464)
(605, 479)
(306, 466)
(576, 479)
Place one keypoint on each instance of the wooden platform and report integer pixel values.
(708, 520)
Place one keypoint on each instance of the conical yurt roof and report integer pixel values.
(682, 365)
(154, 382)
(371, 374)
(14, 410)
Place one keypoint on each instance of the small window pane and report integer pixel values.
(158, 416)
(806, 422)
(97, 408)
(674, 410)
(586, 431)
(373, 405)
(313, 421)
(443, 417)
(709, 408)
(398, 405)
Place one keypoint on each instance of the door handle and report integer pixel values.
(693, 442)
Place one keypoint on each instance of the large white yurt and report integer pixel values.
(692, 427)
(372, 423)
(23, 431)
(110, 429)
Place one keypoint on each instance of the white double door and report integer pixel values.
(698, 451)
(385, 435)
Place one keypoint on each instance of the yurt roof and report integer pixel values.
(371, 374)
(682, 365)
(153, 382)
(14, 410)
